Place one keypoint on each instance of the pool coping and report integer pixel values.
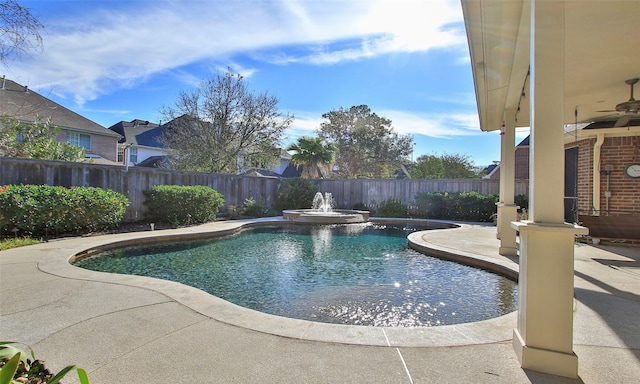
(499, 329)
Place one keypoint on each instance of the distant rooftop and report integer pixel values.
(22, 103)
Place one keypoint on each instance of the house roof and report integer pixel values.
(489, 168)
(27, 105)
(154, 162)
(598, 58)
(97, 159)
(292, 170)
(139, 132)
(260, 173)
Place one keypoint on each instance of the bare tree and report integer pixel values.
(223, 127)
(19, 31)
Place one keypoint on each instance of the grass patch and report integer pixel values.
(15, 243)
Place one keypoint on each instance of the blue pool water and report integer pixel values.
(350, 274)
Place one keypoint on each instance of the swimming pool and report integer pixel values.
(359, 274)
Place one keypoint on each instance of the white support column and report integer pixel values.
(507, 210)
(543, 340)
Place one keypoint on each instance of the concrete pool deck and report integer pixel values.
(141, 330)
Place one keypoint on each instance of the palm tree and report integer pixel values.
(314, 156)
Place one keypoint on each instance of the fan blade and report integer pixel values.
(608, 110)
(622, 121)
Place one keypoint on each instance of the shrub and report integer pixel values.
(41, 209)
(360, 207)
(295, 193)
(464, 206)
(234, 211)
(182, 205)
(253, 208)
(17, 367)
(523, 202)
(392, 208)
(431, 205)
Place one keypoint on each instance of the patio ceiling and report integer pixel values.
(601, 52)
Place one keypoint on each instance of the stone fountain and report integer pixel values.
(322, 212)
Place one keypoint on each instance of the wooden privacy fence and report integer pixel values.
(133, 181)
(348, 192)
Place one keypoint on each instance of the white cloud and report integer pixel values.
(522, 133)
(467, 99)
(93, 51)
(305, 124)
(434, 125)
(442, 126)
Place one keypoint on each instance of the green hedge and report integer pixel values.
(463, 206)
(38, 210)
(182, 205)
(392, 208)
(260, 208)
(295, 193)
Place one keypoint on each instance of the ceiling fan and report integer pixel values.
(627, 108)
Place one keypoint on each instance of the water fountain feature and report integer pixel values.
(323, 203)
(322, 212)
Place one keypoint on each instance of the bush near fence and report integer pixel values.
(295, 193)
(392, 208)
(182, 205)
(463, 206)
(41, 210)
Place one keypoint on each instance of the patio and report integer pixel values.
(139, 330)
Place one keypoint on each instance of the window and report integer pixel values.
(133, 155)
(120, 154)
(79, 140)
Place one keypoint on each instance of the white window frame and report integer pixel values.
(79, 140)
(133, 155)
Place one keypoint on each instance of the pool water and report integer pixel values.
(358, 274)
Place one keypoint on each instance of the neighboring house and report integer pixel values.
(283, 168)
(24, 104)
(521, 163)
(283, 163)
(292, 171)
(140, 144)
(490, 170)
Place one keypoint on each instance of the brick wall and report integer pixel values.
(105, 146)
(619, 215)
(521, 170)
(522, 163)
(625, 191)
(585, 173)
(617, 152)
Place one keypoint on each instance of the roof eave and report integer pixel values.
(498, 46)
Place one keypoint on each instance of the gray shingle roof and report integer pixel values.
(139, 132)
(25, 104)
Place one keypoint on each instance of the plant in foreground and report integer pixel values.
(16, 367)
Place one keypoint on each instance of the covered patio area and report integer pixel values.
(543, 65)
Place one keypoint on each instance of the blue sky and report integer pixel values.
(407, 60)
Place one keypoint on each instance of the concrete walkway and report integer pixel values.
(128, 329)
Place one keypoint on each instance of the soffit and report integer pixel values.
(600, 54)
